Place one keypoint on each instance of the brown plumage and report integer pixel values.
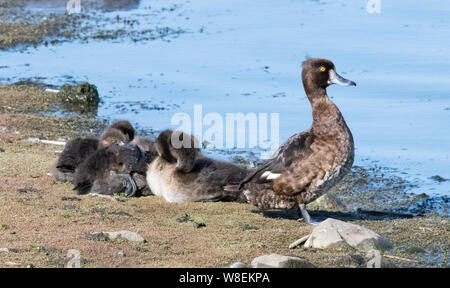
(182, 174)
(79, 149)
(310, 162)
(74, 153)
(97, 167)
(114, 163)
(117, 167)
(117, 133)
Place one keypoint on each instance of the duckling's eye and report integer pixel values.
(322, 69)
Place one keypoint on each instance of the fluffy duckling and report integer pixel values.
(74, 153)
(181, 174)
(96, 169)
(117, 133)
(79, 149)
(117, 167)
(310, 162)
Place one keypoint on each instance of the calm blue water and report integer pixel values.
(246, 53)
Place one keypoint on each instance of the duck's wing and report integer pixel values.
(295, 148)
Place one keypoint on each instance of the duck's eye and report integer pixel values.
(322, 69)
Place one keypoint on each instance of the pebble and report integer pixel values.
(280, 261)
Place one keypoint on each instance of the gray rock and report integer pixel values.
(127, 235)
(238, 265)
(333, 233)
(4, 250)
(280, 261)
(82, 98)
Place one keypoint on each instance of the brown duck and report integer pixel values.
(310, 162)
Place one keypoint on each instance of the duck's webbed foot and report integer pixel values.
(129, 185)
(304, 215)
(115, 184)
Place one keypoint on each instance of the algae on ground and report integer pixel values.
(26, 24)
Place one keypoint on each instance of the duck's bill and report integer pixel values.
(338, 79)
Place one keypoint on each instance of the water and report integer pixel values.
(238, 54)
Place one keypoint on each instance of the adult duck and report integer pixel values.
(310, 162)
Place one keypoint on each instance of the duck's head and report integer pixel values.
(126, 128)
(319, 73)
(119, 132)
(178, 147)
(112, 136)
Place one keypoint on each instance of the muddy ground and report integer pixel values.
(41, 219)
(26, 24)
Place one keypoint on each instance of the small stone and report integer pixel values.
(121, 253)
(127, 235)
(238, 265)
(4, 250)
(333, 233)
(280, 261)
(109, 197)
(11, 263)
(98, 236)
(30, 265)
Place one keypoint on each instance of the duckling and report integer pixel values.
(74, 153)
(79, 149)
(117, 167)
(117, 133)
(181, 174)
(95, 171)
(310, 162)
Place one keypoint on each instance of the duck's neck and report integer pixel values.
(327, 119)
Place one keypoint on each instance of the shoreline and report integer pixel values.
(60, 219)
